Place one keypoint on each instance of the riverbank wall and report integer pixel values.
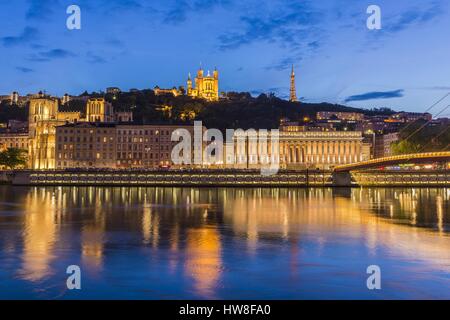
(227, 178)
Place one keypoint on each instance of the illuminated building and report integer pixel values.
(383, 144)
(143, 146)
(304, 149)
(113, 90)
(346, 116)
(293, 91)
(112, 145)
(321, 149)
(45, 116)
(85, 144)
(174, 91)
(14, 140)
(123, 116)
(206, 87)
(65, 99)
(98, 110)
(15, 98)
(406, 117)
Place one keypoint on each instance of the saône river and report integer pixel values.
(200, 243)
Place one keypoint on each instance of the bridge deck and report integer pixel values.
(396, 160)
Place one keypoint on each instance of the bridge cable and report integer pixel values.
(431, 107)
(424, 125)
(435, 137)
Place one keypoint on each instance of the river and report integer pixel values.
(217, 243)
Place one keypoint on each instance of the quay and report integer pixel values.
(227, 178)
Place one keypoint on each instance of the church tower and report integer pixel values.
(293, 91)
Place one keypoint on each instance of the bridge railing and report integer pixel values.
(380, 161)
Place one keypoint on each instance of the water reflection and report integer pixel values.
(40, 232)
(213, 243)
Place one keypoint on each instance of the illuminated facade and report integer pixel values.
(146, 146)
(346, 116)
(84, 144)
(174, 91)
(111, 145)
(383, 144)
(206, 87)
(14, 140)
(302, 149)
(322, 149)
(98, 110)
(45, 116)
(15, 98)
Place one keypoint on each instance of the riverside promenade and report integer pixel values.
(227, 178)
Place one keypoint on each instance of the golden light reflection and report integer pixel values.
(325, 216)
(203, 261)
(191, 222)
(93, 231)
(92, 246)
(40, 235)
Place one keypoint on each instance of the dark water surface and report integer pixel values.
(175, 243)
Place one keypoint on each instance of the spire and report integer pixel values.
(293, 91)
(189, 76)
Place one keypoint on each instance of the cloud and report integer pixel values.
(180, 9)
(24, 69)
(49, 55)
(407, 18)
(113, 42)
(439, 88)
(28, 34)
(376, 95)
(285, 63)
(178, 13)
(95, 59)
(296, 27)
(414, 16)
(39, 9)
(120, 5)
(291, 25)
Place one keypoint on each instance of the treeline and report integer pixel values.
(239, 110)
(12, 112)
(423, 137)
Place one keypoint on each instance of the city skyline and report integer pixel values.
(337, 59)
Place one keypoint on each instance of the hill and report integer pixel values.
(239, 110)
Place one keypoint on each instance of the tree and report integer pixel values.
(404, 147)
(13, 158)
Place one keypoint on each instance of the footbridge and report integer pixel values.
(416, 158)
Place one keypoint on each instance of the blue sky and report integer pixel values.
(140, 44)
